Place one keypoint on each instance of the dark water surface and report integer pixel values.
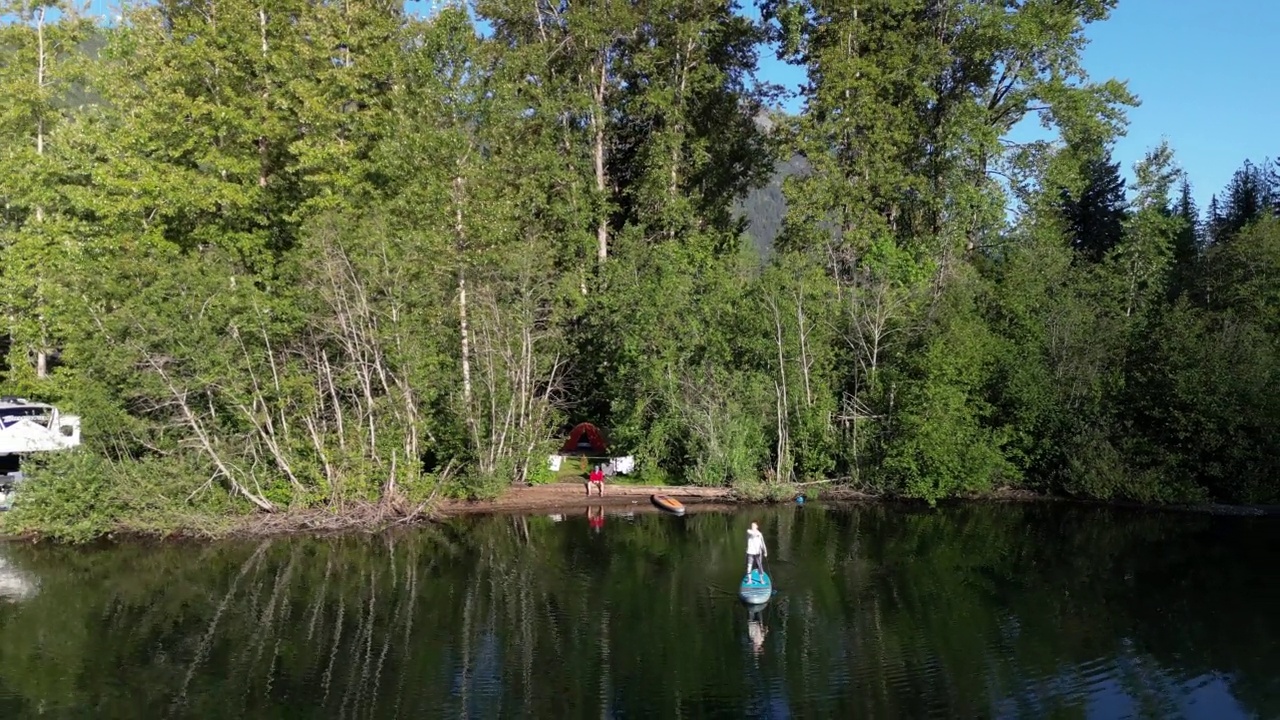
(1036, 611)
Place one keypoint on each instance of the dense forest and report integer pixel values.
(313, 254)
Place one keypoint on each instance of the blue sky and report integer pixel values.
(1208, 77)
(1205, 70)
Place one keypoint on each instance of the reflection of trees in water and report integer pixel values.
(16, 585)
(215, 631)
(1075, 584)
(1026, 611)
(912, 613)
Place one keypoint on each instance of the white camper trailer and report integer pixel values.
(27, 427)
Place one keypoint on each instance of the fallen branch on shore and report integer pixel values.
(363, 516)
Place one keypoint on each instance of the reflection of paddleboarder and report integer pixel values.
(595, 518)
(756, 631)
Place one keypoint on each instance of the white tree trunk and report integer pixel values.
(42, 353)
(463, 320)
(598, 152)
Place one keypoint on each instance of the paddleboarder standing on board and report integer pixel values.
(755, 549)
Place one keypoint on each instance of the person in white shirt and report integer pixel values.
(755, 548)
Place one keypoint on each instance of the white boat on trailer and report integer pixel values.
(28, 427)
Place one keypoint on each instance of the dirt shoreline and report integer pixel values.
(560, 495)
(572, 496)
(537, 498)
(571, 499)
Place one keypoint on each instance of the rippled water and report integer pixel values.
(969, 612)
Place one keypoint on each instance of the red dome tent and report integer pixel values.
(585, 436)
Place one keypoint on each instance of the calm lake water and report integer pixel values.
(1035, 611)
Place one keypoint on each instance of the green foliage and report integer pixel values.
(1095, 214)
(541, 474)
(78, 496)
(763, 491)
(316, 256)
(480, 485)
(944, 442)
(1201, 397)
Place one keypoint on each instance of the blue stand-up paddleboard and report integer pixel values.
(756, 588)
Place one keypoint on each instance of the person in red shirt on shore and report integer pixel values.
(596, 478)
